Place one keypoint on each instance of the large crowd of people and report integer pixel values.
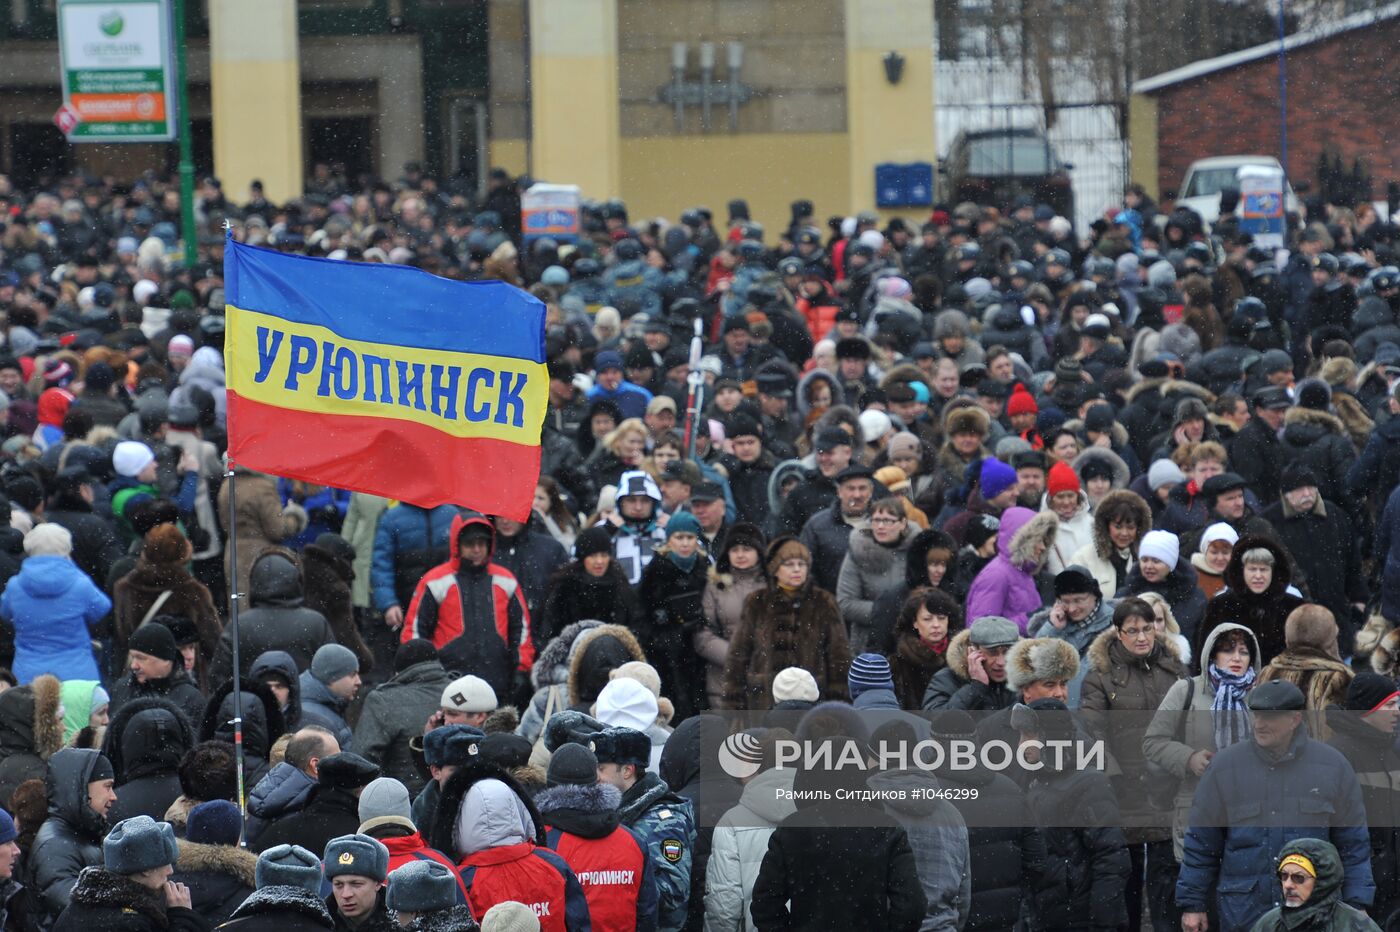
(980, 476)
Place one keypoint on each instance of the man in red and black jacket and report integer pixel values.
(487, 821)
(474, 611)
(584, 826)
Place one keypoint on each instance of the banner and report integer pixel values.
(118, 75)
(385, 379)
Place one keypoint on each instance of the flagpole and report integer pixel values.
(230, 476)
(692, 415)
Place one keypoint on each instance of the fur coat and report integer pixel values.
(782, 629)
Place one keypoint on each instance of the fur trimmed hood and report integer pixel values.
(579, 652)
(1116, 503)
(29, 719)
(503, 721)
(956, 655)
(1103, 658)
(1329, 423)
(595, 797)
(876, 559)
(1385, 659)
(217, 859)
(1180, 388)
(1120, 471)
(453, 919)
(1144, 387)
(552, 665)
(1033, 659)
(1042, 528)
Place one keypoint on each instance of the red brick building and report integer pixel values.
(1342, 98)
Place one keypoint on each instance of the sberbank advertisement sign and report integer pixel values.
(118, 77)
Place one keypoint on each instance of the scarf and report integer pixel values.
(1233, 725)
(684, 564)
(939, 648)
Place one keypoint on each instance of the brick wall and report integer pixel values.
(1342, 96)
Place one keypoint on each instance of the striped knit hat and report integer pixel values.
(869, 671)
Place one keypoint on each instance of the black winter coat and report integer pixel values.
(576, 596)
(69, 840)
(1326, 548)
(533, 556)
(749, 484)
(672, 613)
(813, 494)
(1319, 441)
(838, 865)
(1187, 600)
(330, 814)
(327, 579)
(220, 878)
(262, 724)
(95, 543)
(1373, 756)
(114, 903)
(1264, 614)
(145, 742)
(1257, 456)
(1008, 851)
(276, 621)
(178, 688)
(286, 909)
(1086, 853)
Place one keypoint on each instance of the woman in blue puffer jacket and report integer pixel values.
(51, 605)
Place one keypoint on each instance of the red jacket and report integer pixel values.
(408, 848)
(611, 863)
(537, 877)
(491, 640)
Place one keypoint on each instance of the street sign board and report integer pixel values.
(118, 70)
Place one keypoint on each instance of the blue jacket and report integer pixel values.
(339, 499)
(408, 542)
(51, 604)
(283, 791)
(1240, 819)
(665, 825)
(631, 400)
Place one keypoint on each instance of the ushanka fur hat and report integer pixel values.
(966, 419)
(1039, 659)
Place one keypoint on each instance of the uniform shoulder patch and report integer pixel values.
(672, 849)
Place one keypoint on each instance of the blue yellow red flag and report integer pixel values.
(385, 379)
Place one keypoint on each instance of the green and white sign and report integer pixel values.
(118, 73)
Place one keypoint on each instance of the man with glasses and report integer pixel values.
(1310, 879)
(1255, 796)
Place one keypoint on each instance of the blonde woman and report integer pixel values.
(624, 448)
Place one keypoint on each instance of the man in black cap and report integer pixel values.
(832, 447)
(334, 808)
(1324, 546)
(749, 465)
(828, 533)
(776, 382)
(444, 750)
(853, 366)
(1250, 791)
(1228, 500)
(157, 669)
(1255, 452)
(707, 504)
(1031, 467)
(739, 356)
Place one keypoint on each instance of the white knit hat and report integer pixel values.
(1160, 545)
(1218, 531)
(469, 694)
(626, 703)
(795, 684)
(130, 457)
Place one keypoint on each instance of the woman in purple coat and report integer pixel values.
(1006, 586)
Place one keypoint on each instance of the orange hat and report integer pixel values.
(1061, 479)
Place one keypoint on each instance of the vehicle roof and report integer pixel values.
(1225, 161)
(1010, 131)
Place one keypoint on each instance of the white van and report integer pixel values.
(1200, 189)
